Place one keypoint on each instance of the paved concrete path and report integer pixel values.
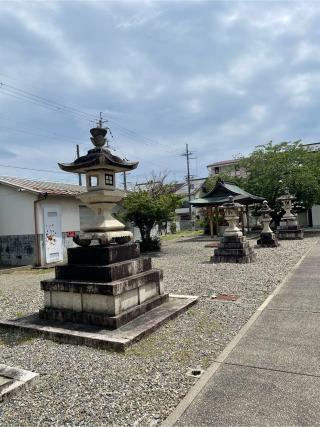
(271, 376)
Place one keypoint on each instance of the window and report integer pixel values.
(94, 181)
(109, 179)
(216, 170)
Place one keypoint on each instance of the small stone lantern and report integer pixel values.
(267, 237)
(233, 246)
(231, 215)
(100, 168)
(289, 226)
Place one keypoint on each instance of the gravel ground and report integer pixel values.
(90, 387)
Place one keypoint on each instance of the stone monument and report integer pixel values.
(267, 236)
(107, 284)
(233, 246)
(289, 227)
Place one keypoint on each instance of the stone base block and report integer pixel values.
(103, 255)
(102, 273)
(267, 240)
(13, 379)
(102, 319)
(111, 288)
(95, 336)
(289, 234)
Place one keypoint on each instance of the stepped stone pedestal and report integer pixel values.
(289, 227)
(106, 286)
(234, 249)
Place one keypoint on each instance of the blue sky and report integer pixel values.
(222, 76)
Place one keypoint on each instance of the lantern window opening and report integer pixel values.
(109, 179)
(94, 180)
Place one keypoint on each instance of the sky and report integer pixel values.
(220, 76)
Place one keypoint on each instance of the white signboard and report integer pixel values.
(52, 234)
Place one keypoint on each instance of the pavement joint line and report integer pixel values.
(301, 374)
(175, 415)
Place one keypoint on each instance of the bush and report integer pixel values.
(151, 245)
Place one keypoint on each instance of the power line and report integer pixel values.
(31, 169)
(27, 96)
(42, 135)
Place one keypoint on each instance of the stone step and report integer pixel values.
(234, 245)
(103, 255)
(102, 288)
(234, 259)
(103, 273)
(232, 239)
(232, 252)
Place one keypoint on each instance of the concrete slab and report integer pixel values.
(94, 336)
(281, 340)
(242, 396)
(301, 297)
(12, 379)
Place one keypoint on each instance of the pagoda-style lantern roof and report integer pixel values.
(98, 157)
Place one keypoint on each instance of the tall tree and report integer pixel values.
(273, 167)
(151, 203)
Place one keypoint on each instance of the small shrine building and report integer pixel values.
(219, 195)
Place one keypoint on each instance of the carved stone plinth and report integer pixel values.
(289, 230)
(267, 240)
(234, 249)
(102, 285)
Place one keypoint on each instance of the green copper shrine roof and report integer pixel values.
(221, 192)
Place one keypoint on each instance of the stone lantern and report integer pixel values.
(231, 215)
(289, 226)
(107, 284)
(233, 246)
(267, 237)
(100, 168)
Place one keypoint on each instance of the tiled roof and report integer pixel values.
(223, 162)
(54, 188)
(195, 185)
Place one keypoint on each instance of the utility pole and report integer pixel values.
(78, 155)
(124, 181)
(187, 154)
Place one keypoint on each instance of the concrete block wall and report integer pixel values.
(21, 250)
(18, 250)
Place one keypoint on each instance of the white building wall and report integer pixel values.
(316, 215)
(16, 211)
(69, 210)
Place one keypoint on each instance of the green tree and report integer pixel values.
(154, 203)
(273, 167)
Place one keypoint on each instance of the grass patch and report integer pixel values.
(20, 314)
(179, 234)
(147, 347)
(14, 339)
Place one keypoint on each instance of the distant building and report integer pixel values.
(183, 212)
(228, 167)
(38, 220)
